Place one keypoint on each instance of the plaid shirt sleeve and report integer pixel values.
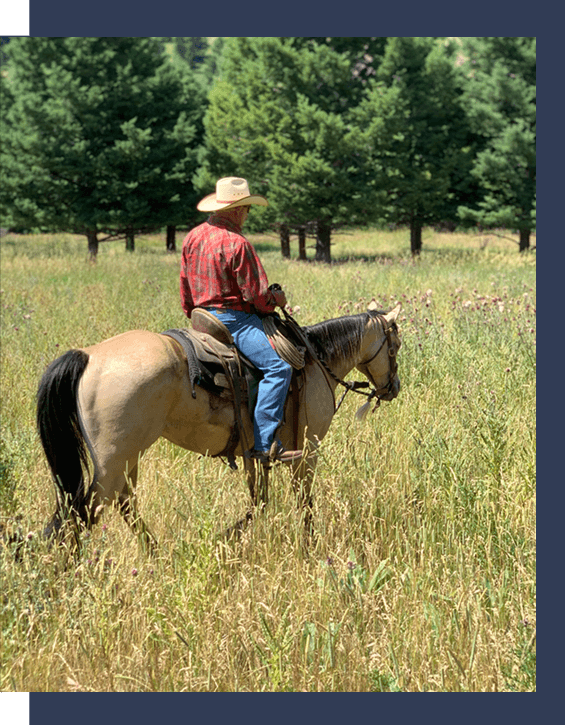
(251, 278)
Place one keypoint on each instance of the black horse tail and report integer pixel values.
(62, 438)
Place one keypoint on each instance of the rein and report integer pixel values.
(356, 386)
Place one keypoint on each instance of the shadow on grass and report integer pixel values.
(42, 247)
(381, 258)
(404, 257)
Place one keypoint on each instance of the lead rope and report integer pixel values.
(350, 386)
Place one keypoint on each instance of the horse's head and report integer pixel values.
(378, 353)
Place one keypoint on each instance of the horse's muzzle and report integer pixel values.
(394, 390)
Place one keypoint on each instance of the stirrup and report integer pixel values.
(276, 454)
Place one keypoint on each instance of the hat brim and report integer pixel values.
(209, 202)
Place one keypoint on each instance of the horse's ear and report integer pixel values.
(393, 314)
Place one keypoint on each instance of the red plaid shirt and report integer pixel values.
(220, 268)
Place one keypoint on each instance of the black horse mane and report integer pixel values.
(340, 337)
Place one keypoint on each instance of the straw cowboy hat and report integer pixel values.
(230, 192)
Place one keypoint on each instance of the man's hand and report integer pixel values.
(280, 297)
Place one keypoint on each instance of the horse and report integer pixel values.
(99, 408)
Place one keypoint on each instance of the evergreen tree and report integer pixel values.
(500, 94)
(211, 68)
(279, 116)
(416, 143)
(191, 51)
(4, 56)
(364, 56)
(100, 136)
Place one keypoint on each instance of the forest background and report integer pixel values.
(113, 137)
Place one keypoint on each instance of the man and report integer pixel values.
(221, 272)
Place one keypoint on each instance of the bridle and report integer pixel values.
(357, 386)
(392, 363)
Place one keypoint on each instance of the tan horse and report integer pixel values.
(113, 400)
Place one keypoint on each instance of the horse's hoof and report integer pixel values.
(233, 533)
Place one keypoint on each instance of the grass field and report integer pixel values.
(423, 572)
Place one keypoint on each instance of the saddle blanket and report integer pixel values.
(208, 359)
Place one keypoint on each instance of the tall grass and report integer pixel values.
(422, 576)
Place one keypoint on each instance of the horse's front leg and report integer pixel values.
(302, 478)
(257, 477)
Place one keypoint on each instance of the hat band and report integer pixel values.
(231, 201)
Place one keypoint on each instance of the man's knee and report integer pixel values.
(282, 370)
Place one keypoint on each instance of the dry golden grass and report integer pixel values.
(422, 575)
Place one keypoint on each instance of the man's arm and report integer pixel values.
(186, 299)
(252, 279)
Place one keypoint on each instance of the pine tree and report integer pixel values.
(415, 139)
(279, 116)
(100, 136)
(211, 67)
(364, 56)
(500, 93)
(190, 50)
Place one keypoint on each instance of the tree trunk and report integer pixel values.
(285, 241)
(524, 239)
(171, 244)
(302, 243)
(323, 237)
(130, 240)
(415, 236)
(92, 237)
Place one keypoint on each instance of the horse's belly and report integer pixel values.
(198, 425)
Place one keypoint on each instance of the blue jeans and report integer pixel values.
(249, 337)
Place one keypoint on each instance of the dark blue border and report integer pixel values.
(276, 708)
(550, 397)
(291, 17)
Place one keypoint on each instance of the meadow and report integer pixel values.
(422, 576)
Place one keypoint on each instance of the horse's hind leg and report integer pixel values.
(127, 506)
(117, 487)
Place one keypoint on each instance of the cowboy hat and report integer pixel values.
(230, 192)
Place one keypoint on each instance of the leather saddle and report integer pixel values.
(212, 356)
(215, 364)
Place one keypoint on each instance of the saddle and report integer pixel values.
(216, 365)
